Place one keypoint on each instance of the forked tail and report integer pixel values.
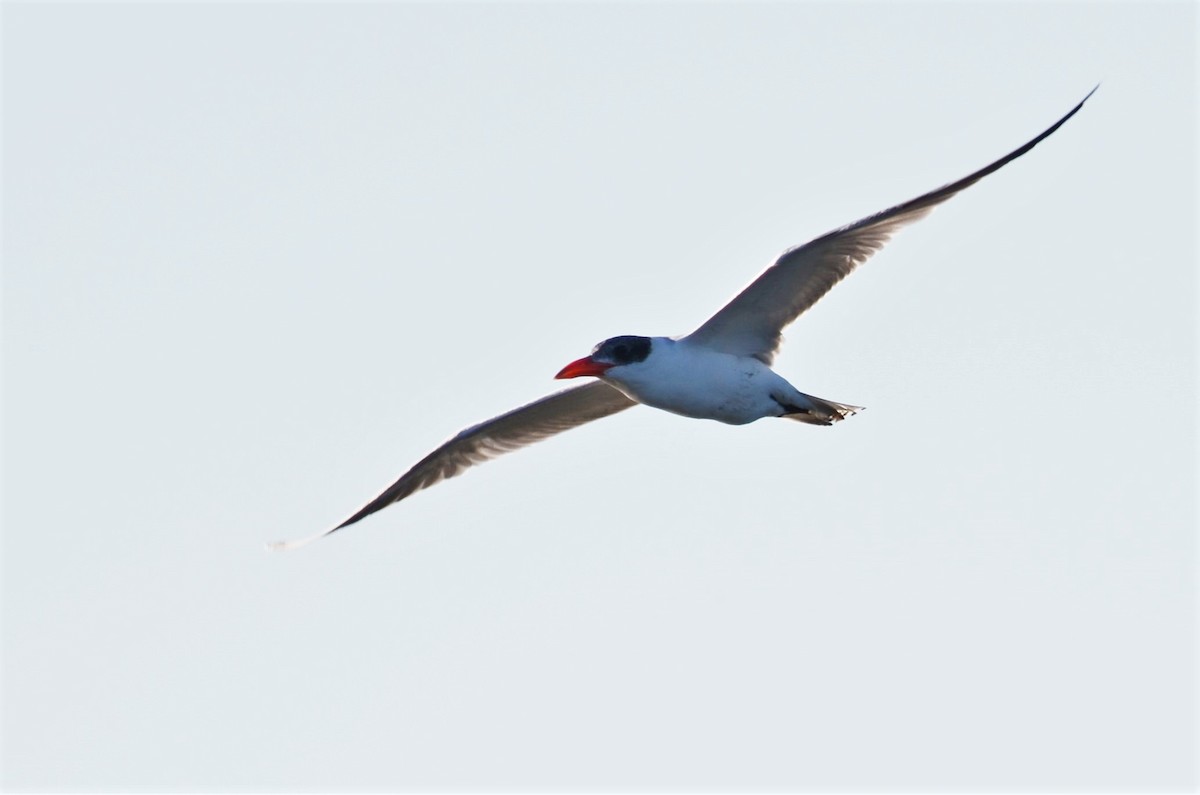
(818, 411)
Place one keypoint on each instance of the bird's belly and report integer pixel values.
(731, 395)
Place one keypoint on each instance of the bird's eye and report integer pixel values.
(621, 353)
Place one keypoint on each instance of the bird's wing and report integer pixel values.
(531, 423)
(751, 324)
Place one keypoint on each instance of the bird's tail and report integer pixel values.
(818, 411)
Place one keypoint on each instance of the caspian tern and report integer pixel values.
(721, 371)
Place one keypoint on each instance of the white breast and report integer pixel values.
(699, 382)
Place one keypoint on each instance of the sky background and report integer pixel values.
(259, 259)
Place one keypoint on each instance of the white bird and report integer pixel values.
(721, 371)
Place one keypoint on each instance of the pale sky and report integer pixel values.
(259, 259)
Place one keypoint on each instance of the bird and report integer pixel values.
(721, 371)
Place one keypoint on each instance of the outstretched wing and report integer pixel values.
(531, 423)
(751, 324)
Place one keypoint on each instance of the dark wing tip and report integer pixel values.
(374, 505)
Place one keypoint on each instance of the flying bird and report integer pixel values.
(721, 371)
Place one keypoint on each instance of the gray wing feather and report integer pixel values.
(751, 324)
(531, 423)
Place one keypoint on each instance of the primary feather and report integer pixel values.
(752, 323)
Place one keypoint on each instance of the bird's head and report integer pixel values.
(614, 352)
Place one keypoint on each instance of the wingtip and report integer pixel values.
(288, 546)
(1077, 107)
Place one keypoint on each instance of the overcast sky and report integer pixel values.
(259, 259)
